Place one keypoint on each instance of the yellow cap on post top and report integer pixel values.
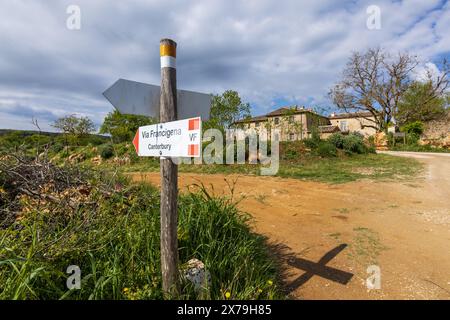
(168, 53)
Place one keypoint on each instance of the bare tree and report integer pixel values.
(373, 83)
(437, 82)
(35, 123)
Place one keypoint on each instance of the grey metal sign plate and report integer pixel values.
(132, 97)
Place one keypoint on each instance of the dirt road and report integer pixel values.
(327, 236)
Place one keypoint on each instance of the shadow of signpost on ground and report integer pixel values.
(311, 268)
(319, 269)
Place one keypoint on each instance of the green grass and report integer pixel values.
(330, 170)
(114, 239)
(295, 162)
(366, 246)
(352, 168)
(418, 148)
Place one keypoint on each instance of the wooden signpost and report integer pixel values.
(167, 139)
(169, 172)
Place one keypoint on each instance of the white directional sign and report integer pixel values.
(133, 97)
(170, 139)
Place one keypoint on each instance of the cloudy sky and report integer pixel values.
(273, 52)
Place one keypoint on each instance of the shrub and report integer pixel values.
(37, 140)
(415, 127)
(337, 139)
(326, 149)
(371, 149)
(123, 148)
(354, 143)
(371, 140)
(107, 151)
(92, 139)
(57, 147)
(412, 138)
(311, 143)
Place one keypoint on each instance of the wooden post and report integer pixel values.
(169, 174)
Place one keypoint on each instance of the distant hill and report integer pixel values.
(26, 133)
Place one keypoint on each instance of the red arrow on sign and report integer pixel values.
(136, 141)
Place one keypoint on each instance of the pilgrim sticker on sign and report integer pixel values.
(170, 139)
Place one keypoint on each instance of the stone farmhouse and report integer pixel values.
(297, 123)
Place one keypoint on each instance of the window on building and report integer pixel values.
(343, 125)
(257, 124)
(291, 119)
(277, 120)
(291, 136)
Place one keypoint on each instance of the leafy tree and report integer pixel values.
(74, 128)
(122, 127)
(415, 127)
(84, 127)
(226, 109)
(419, 103)
(73, 125)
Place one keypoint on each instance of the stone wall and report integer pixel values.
(437, 132)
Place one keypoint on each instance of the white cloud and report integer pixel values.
(426, 71)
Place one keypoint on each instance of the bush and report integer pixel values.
(412, 138)
(415, 127)
(57, 147)
(337, 139)
(354, 143)
(91, 139)
(292, 150)
(371, 149)
(37, 140)
(107, 151)
(123, 149)
(311, 143)
(326, 150)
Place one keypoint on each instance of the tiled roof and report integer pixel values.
(350, 115)
(296, 110)
(254, 119)
(279, 112)
(329, 129)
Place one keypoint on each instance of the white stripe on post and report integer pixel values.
(168, 61)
